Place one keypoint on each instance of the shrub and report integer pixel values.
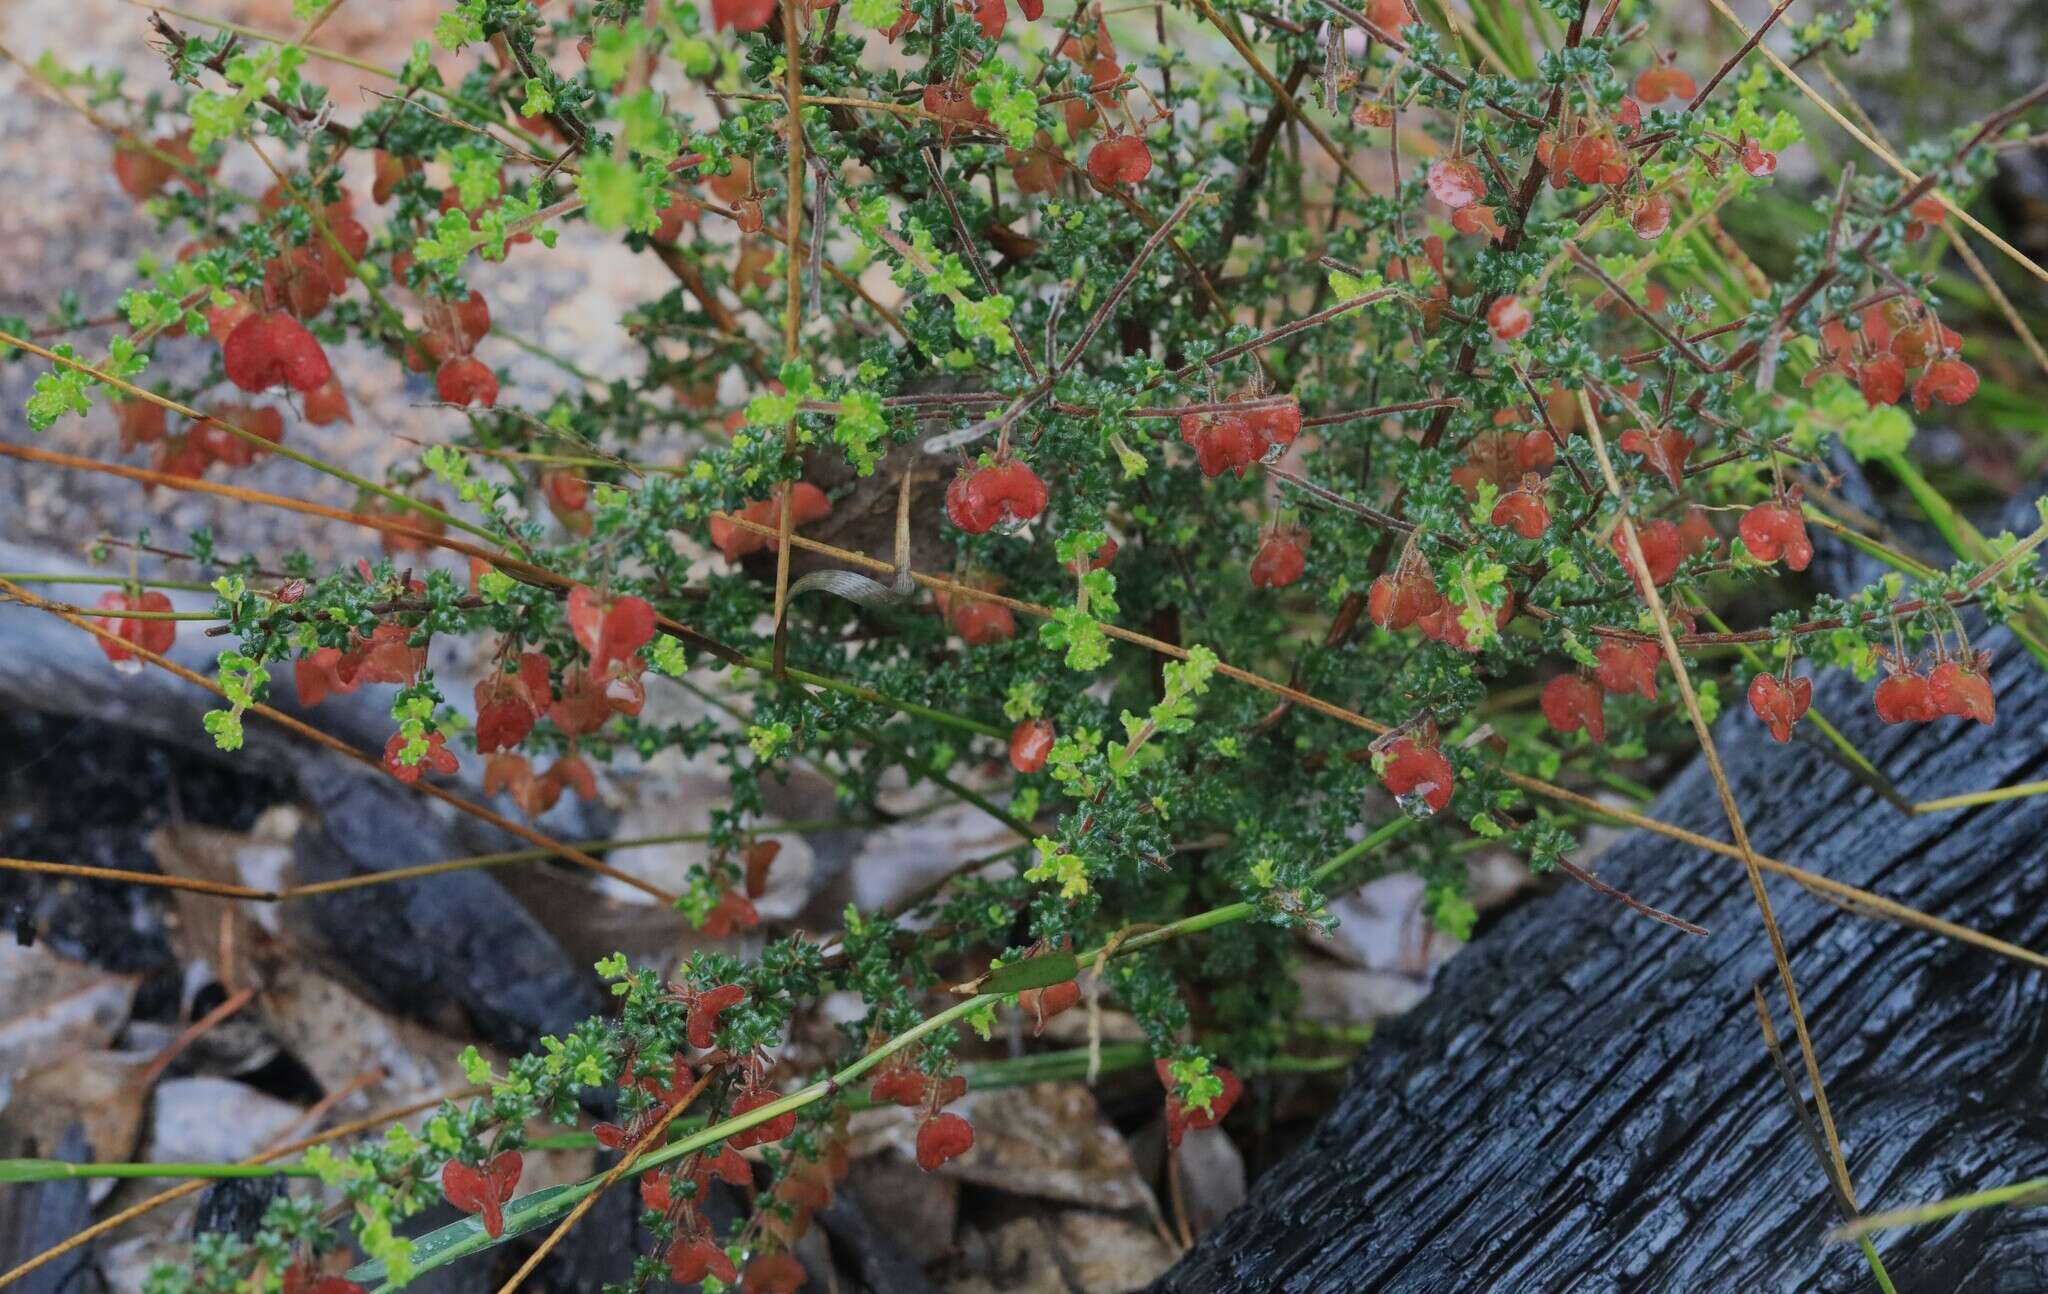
(1194, 399)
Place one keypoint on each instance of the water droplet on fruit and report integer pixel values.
(1416, 802)
(129, 666)
(1010, 524)
(1275, 451)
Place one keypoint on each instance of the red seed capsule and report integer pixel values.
(1030, 742)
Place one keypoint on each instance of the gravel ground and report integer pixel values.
(82, 234)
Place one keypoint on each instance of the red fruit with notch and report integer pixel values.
(464, 380)
(437, 759)
(1628, 666)
(943, 1137)
(776, 1273)
(1779, 703)
(1523, 512)
(1042, 1004)
(1508, 318)
(1456, 183)
(1279, 561)
(760, 1134)
(981, 622)
(706, 1008)
(1180, 1119)
(1665, 449)
(1120, 159)
(1413, 769)
(1963, 690)
(1905, 697)
(1571, 702)
(1774, 530)
(484, 1191)
(1663, 547)
(274, 349)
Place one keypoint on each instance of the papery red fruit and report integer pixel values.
(1597, 159)
(217, 435)
(1696, 533)
(1478, 219)
(1006, 494)
(473, 316)
(1774, 530)
(1508, 318)
(742, 15)
(609, 631)
(1180, 1119)
(1279, 561)
(943, 1137)
(656, 1194)
(1756, 160)
(1950, 381)
(1030, 742)
(1627, 665)
(679, 212)
(1662, 548)
(760, 1134)
(1651, 217)
(299, 282)
(898, 1085)
(1665, 449)
(1882, 380)
(1962, 690)
(952, 102)
(484, 1191)
(1571, 702)
(573, 772)
(981, 622)
(465, 380)
(301, 1279)
(141, 422)
(1414, 769)
(503, 719)
(1523, 512)
(776, 1273)
(1042, 1004)
(726, 1166)
(1224, 442)
(327, 404)
(142, 173)
(1904, 697)
(316, 676)
(733, 913)
(1389, 15)
(1778, 703)
(1456, 183)
(705, 1010)
(1274, 424)
(565, 490)
(1120, 159)
(990, 16)
(807, 503)
(691, 1259)
(1399, 600)
(437, 759)
(760, 856)
(1662, 82)
(274, 349)
(157, 636)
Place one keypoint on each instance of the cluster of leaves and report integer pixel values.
(1398, 503)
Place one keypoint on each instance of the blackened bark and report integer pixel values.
(1584, 1103)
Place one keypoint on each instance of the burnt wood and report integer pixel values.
(1585, 1103)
